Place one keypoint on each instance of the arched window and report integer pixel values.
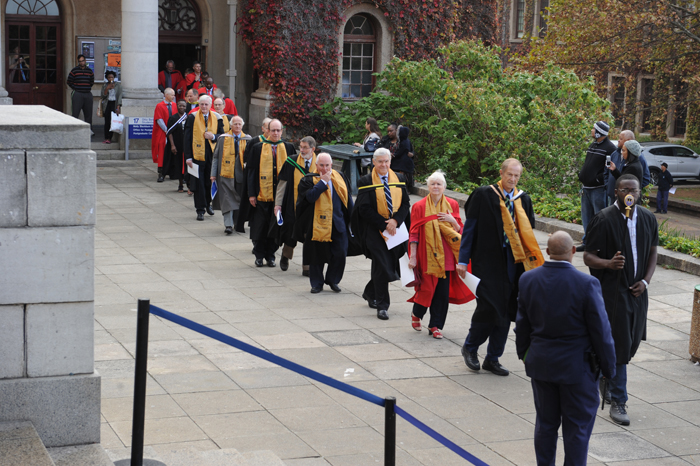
(359, 51)
(32, 7)
(177, 15)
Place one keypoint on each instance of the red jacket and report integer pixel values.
(203, 90)
(230, 107)
(178, 83)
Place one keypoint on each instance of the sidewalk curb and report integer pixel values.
(672, 259)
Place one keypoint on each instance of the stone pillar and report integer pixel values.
(140, 61)
(4, 99)
(47, 223)
(232, 72)
(259, 107)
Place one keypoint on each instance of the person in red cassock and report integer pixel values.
(164, 110)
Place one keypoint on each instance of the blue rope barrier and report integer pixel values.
(292, 366)
(440, 438)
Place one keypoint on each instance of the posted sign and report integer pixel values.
(140, 128)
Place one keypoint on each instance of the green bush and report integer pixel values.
(676, 240)
(467, 115)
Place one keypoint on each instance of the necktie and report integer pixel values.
(307, 166)
(274, 165)
(170, 109)
(509, 206)
(387, 194)
(238, 139)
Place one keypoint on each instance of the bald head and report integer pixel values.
(560, 246)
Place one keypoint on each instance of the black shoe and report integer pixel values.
(210, 211)
(581, 247)
(305, 273)
(494, 367)
(372, 303)
(471, 359)
(271, 262)
(382, 315)
(258, 262)
(228, 230)
(200, 216)
(334, 287)
(161, 178)
(316, 289)
(657, 212)
(284, 264)
(608, 399)
(239, 229)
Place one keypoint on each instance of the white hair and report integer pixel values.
(437, 176)
(381, 151)
(204, 97)
(236, 116)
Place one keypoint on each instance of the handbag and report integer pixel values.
(371, 144)
(99, 110)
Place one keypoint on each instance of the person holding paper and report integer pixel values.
(227, 171)
(433, 251)
(201, 130)
(563, 337)
(664, 186)
(323, 222)
(498, 239)
(382, 206)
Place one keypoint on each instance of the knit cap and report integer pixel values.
(601, 128)
(633, 147)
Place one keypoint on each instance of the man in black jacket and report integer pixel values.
(664, 185)
(592, 176)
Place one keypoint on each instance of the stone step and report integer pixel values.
(225, 457)
(116, 154)
(80, 455)
(20, 445)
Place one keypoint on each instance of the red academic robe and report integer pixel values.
(178, 83)
(203, 90)
(230, 107)
(191, 81)
(459, 293)
(158, 135)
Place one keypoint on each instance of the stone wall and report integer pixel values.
(47, 218)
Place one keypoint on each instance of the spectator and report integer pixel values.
(374, 135)
(81, 79)
(630, 154)
(616, 158)
(111, 102)
(403, 158)
(665, 184)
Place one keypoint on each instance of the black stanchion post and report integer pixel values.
(389, 431)
(144, 308)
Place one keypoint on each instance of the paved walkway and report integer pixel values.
(203, 395)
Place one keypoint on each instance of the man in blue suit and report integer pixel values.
(324, 208)
(563, 336)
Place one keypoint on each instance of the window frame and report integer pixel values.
(359, 39)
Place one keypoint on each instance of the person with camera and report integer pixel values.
(370, 142)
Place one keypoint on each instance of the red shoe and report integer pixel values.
(107, 141)
(435, 332)
(415, 323)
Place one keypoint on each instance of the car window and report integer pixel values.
(683, 152)
(665, 151)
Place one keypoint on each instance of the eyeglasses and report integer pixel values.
(631, 191)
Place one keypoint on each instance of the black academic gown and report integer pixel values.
(286, 231)
(173, 164)
(202, 194)
(263, 223)
(607, 233)
(367, 225)
(497, 294)
(316, 252)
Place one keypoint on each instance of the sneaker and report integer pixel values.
(618, 413)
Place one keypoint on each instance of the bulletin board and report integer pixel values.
(101, 54)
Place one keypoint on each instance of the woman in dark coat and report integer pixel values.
(630, 154)
(402, 159)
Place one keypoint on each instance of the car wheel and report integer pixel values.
(654, 175)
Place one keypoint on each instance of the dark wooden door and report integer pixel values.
(34, 68)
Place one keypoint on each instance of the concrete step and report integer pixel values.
(226, 457)
(116, 154)
(80, 455)
(20, 445)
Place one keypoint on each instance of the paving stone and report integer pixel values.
(220, 402)
(622, 446)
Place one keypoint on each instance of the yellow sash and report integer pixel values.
(396, 192)
(323, 208)
(228, 154)
(520, 235)
(267, 188)
(298, 176)
(434, 231)
(198, 134)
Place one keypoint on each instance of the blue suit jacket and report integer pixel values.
(561, 318)
(340, 222)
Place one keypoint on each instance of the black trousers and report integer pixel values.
(111, 106)
(202, 193)
(439, 304)
(377, 287)
(265, 248)
(336, 266)
(82, 101)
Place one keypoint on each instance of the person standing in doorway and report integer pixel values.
(80, 79)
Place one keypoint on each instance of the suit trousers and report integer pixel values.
(202, 192)
(439, 304)
(573, 406)
(336, 266)
(480, 332)
(377, 287)
(82, 101)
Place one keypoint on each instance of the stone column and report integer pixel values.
(232, 72)
(259, 107)
(47, 231)
(140, 61)
(4, 99)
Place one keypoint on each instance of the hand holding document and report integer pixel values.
(400, 237)
(407, 274)
(672, 190)
(214, 189)
(193, 170)
(472, 282)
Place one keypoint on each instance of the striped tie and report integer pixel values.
(387, 194)
(509, 206)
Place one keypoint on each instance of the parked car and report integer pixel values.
(682, 162)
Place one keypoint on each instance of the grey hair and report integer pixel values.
(381, 151)
(204, 97)
(266, 121)
(310, 141)
(627, 134)
(438, 175)
(218, 93)
(236, 116)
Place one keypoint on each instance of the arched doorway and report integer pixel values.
(33, 51)
(180, 34)
(359, 53)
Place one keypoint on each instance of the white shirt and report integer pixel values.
(632, 228)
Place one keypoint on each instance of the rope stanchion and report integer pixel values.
(389, 431)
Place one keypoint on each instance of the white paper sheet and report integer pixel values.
(400, 237)
(472, 282)
(407, 275)
(193, 170)
(672, 190)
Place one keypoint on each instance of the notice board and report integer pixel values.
(101, 54)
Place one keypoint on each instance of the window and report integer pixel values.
(519, 18)
(618, 99)
(544, 4)
(647, 97)
(358, 57)
(176, 15)
(32, 7)
(663, 151)
(683, 152)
